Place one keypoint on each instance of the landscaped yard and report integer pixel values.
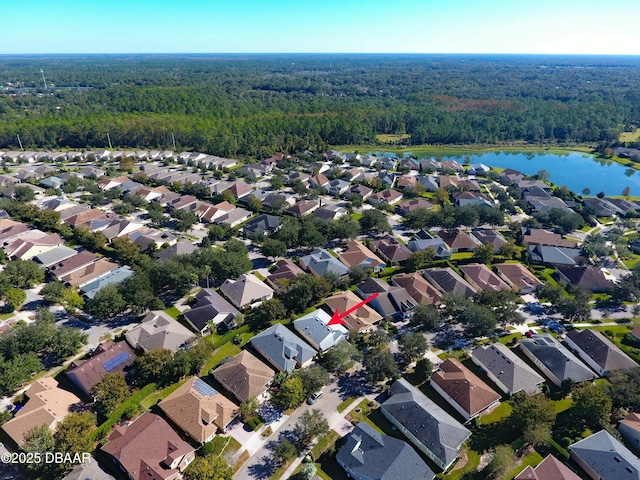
(499, 413)
(173, 312)
(226, 350)
(344, 404)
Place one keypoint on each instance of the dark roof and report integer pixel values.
(553, 255)
(508, 368)
(560, 361)
(374, 455)
(431, 425)
(601, 350)
(262, 224)
(182, 247)
(606, 456)
(106, 358)
(282, 347)
(448, 281)
(586, 276)
(209, 304)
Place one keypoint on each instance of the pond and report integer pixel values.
(575, 170)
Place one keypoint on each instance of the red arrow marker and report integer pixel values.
(337, 317)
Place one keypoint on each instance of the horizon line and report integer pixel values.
(330, 53)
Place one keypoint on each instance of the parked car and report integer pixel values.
(313, 398)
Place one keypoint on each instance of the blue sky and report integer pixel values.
(375, 26)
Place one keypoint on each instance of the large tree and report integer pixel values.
(290, 394)
(340, 358)
(107, 303)
(412, 346)
(311, 423)
(110, 392)
(426, 315)
(211, 467)
(591, 404)
(380, 365)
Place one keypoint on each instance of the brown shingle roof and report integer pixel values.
(550, 469)
(457, 239)
(418, 287)
(88, 272)
(47, 404)
(536, 236)
(108, 357)
(72, 263)
(464, 387)
(146, 446)
(518, 275)
(244, 376)
(480, 275)
(360, 320)
(357, 254)
(198, 409)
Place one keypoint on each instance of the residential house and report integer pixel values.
(430, 183)
(117, 275)
(199, 410)
(510, 176)
(597, 351)
(329, 212)
(478, 169)
(318, 181)
(466, 198)
(554, 360)
(244, 376)
(240, 189)
(527, 184)
(603, 457)
(462, 389)
(210, 309)
(448, 281)
(418, 287)
(106, 183)
(413, 205)
(148, 448)
(247, 290)
(357, 255)
(159, 330)
(303, 207)
(391, 250)
(544, 204)
(361, 320)
(262, 224)
(209, 213)
(25, 249)
(47, 405)
(550, 469)
(406, 181)
(556, 256)
(235, 217)
(448, 182)
(363, 191)
(285, 269)
(481, 277)
(55, 255)
(629, 428)
(72, 264)
(367, 454)
(506, 369)
(120, 228)
(88, 273)
(11, 230)
(491, 237)
(453, 165)
(146, 237)
(388, 163)
(424, 241)
(320, 261)
(586, 276)
(283, 349)
(518, 277)
(182, 247)
(338, 187)
(432, 430)
(392, 301)
(602, 207)
(108, 357)
(52, 182)
(537, 236)
(314, 329)
(458, 241)
(409, 163)
(256, 170)
(388, 196)
(430, 164)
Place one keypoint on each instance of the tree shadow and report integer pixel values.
(485, 437)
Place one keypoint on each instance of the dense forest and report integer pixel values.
(255, 104)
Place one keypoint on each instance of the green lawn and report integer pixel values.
(345, 403)
(562, 405)
(135, 399)
(173, 312)
(218, 340)
(324, 443)
(461, 256)
(226, 350)
(473, 459)
(356, 417)
(530, 459)
(499, 413)
(158, 395)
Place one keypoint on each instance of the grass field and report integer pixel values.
(158, 395)
(630, 136)
(226, 350)
(173, 312)
(391, 137)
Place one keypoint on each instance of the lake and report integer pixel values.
(575, 170)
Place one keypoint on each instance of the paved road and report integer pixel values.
(260, 466)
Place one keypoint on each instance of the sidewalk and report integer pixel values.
(337, 422)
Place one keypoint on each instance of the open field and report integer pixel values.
(630, 136)
(391, 138)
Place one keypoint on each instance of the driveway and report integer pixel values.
(261, 466)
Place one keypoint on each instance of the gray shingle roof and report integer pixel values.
(508, 368)
(282, 348)
(607, 457)
(374, 455)
(314, 328)
(601, 350)
(558, 359)
(210, 304)
(321, 261)
(436, 429)
(448, 281)
(116, 275)
(55, 255)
